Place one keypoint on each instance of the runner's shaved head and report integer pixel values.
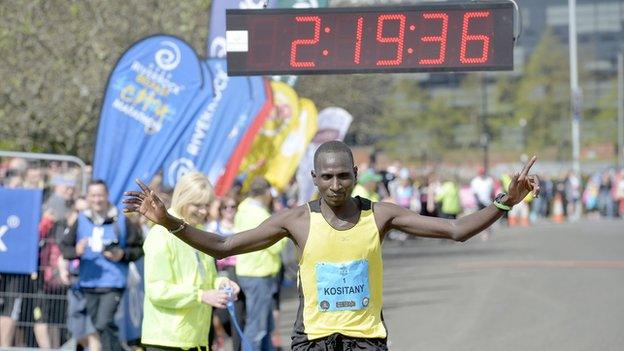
(332, 147)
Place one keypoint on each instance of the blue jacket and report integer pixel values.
(96, 271)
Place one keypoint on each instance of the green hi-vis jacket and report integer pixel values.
(173, 314)
(262, 263)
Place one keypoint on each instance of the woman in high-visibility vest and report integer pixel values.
(181, 284)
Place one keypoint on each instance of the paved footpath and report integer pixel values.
(548, 287)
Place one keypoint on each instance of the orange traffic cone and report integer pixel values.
(557, 209)
(512, 220)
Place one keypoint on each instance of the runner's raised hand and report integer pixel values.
(145, 202)
(522, 183)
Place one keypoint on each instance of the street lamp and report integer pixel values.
(620, 148)
(523, 122)
(575, 90)
(485, 130)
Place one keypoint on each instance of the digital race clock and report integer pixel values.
(470, 36)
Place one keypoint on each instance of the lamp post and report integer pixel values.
(620, 148)
(575, 91)
(485, 130)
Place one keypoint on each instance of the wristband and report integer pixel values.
(182, 226)
(499, 204)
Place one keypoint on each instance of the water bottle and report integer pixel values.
(229, 292)
(245, 343)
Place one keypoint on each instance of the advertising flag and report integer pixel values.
(225, 182)
(219, 123)
(19, 234)
(144, 110)
(284, 162)
(238, 131)
(276, 128)
(216, 33)
(333, 123)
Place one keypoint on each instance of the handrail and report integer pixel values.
(52, 157)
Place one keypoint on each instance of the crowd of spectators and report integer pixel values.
(565, 196)
(63, 302)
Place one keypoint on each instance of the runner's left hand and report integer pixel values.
(521, 184)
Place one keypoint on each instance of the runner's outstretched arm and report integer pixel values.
(147, 203)
(462, 229)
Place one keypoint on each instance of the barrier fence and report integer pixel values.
(33, 307)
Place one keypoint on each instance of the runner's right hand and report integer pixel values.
(145, 202)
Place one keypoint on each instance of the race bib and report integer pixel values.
(342, 286)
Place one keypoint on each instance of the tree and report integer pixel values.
(362, 95)
(542, 95)
(57, 55)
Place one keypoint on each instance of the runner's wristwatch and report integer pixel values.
(498, 203)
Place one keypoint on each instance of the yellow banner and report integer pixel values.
(282, 167)
(266, 145)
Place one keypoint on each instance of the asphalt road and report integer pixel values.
(547, 287)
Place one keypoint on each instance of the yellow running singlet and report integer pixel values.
(340, 279)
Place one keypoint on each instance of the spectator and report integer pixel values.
(367, 185)
(483, 188)
(13, 180)
(223, 225)
(572, 185)
(34, 178)
(257, 271)
(79, 323)
(402, 190)
(60, 201)
(180, 282)
(50, 309)
(432, 189)
(448, 197)
(105, 242)
(605, 200)
(619, 193)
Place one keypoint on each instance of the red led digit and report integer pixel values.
(358, 40)
(398, 40)
(465, 38)
(439, 38)
(295, 43)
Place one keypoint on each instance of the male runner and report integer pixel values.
(338, 240)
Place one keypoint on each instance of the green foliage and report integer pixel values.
(542, 96)
(529, 112)
(57, 55)
(362, 95)
(604, 122)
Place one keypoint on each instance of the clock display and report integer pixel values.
(424, 37)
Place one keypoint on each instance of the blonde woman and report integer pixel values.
(181, 284)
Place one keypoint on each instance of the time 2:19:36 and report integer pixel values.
(465, 35)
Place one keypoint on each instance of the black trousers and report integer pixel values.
(339, 342)
(168, 348)
(101, 307)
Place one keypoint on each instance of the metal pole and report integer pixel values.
(620, 148)
(52, 157)
(485, 132)
(575, 91)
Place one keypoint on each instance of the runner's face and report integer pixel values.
(334, 177)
